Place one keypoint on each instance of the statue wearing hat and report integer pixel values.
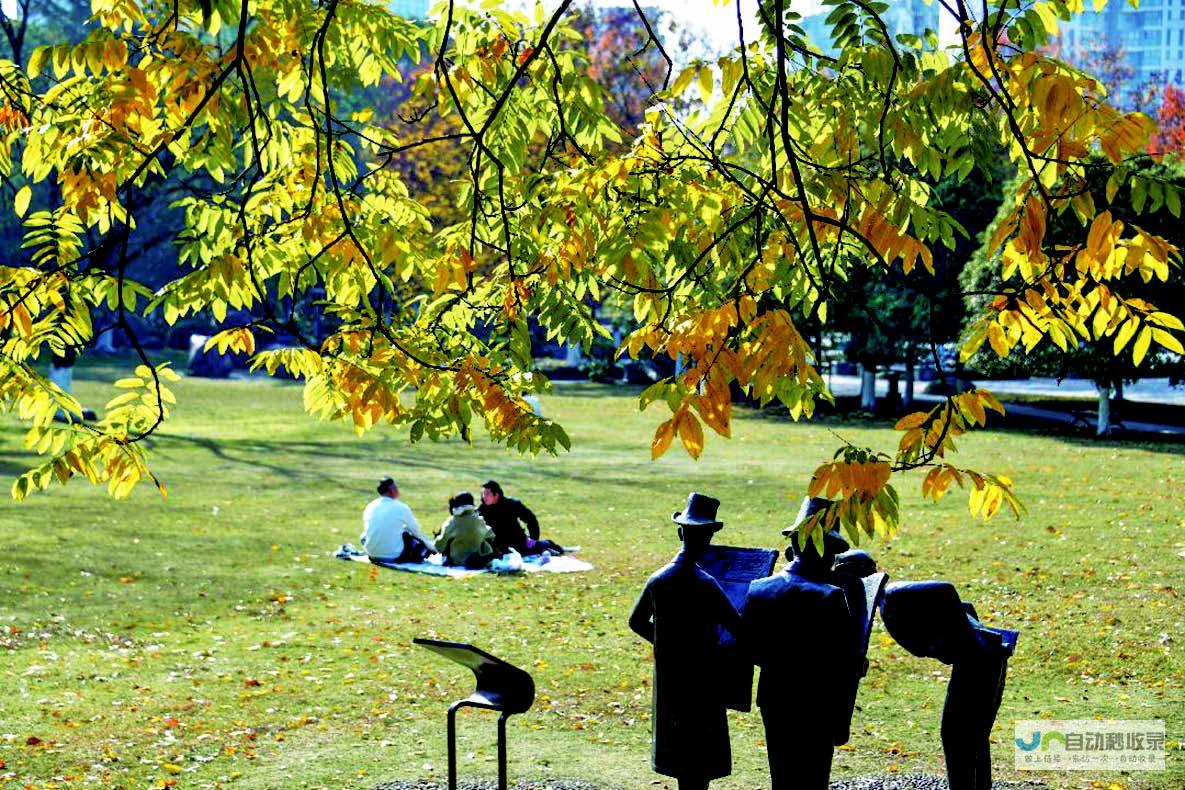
(680, 612)
(801, 632)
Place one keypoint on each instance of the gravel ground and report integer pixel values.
(922, 782)
(918, 782)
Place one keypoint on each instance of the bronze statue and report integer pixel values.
(807, 689)
(680, 612)
(928, 619)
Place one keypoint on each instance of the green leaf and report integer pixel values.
(1113, 183)
(1172, 199)
(1139, 194)
(652, 393)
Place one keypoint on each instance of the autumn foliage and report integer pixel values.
(722, 207)
(1170, 123)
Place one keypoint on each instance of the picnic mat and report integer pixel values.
(434, 565)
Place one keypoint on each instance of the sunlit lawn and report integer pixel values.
(210, 639)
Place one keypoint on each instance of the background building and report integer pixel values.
(903, 16)
(1149, 41)
(409, 9)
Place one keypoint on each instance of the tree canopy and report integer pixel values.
(1139, 201)
(751, 189)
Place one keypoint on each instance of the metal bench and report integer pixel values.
(500, 686)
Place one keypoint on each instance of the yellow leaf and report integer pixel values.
(662, 438)
(998, 340)
(990, 401)
(705, 80)
(683, 80)
(691, 433)
(37, 61)
(818, 480)
(20, 204)
(1143, 340)
(914, 420)
(1167, 340)
(23, 322)
(1125, 333)
(1167, 320)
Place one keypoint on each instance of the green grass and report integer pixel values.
(212, 633)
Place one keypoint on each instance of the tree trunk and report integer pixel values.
(1103, 426)
(867, 388)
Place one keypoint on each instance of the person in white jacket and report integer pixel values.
(390, 530)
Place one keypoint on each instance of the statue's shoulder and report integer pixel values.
(665, 572)
(769, 584)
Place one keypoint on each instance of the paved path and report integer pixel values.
(1148, 391)
(1144, 391)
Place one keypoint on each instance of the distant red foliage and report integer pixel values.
(1170, 120)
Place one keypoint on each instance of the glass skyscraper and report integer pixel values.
(409, 9)
(1149, 40)
(902, 16)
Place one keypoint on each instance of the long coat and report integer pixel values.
(680, 611)
(799, 630)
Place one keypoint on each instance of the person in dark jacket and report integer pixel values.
(798, 629)
(504, 514)
(680, 611)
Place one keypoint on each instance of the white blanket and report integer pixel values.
(434, 565)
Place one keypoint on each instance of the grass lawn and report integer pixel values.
(210, 640)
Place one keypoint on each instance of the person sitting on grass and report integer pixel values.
(464, 538)
(391, 533)
(503, 514)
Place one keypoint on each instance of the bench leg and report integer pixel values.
(502, 752)
(452, 745)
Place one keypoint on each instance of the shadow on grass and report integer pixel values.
(307, 460)
(12, 465)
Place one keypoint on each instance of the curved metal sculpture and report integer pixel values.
(930, 620)
(501, 686)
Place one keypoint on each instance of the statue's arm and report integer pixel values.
(846, 658)
(727, 615)
(642, 617)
